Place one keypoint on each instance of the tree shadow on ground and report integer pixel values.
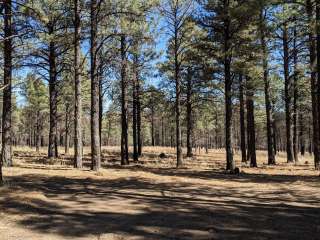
(137, 207)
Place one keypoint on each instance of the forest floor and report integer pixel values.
(153, 200)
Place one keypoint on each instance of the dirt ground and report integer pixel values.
(153, 200)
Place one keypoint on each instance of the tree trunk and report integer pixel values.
(139, 137)
(295, 97)
(124, 121)
(134, 111)
(317, 162)
(314, 97)
(207, 141)
(189, 114)
(30, 137)
(77, 93)
(288, 95)
(152, 125)
(6, 152)
(228, 91)
(242, 124)
(109, 132)
(251, 125)
(274, 137)
(67, 131)
(162, 132)
(310, 137)
(56, 139)
(95, 138)
(302, 139)
(53, 94)
(100, 107)
(216, 129)
(177, 102)
(38, 131)
(34, 136)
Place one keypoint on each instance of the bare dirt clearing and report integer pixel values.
(152, 200)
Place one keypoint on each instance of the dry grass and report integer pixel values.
(153, 200)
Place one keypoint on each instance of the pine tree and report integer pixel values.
(48, 45)
(177, 14)
(263, 32)
(225, 21)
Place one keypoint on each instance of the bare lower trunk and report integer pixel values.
(310, 136)
(162, 132)
(274, 136)
(152, 125)
(317, 162)
(100, 109)
(314, 97)
(251, 128)
(228, 92)
(67, 132)
(134, 112)
(242, 124)
(302, 140)
(6, 152)
(38, 134)
(95, 138)
(53, 94)
(228, 126)
(216, 120)
(288, 95)
(295, 132)
(295, 98)
(78, 98)
(139, 137)
(109, 132)
(177, 102)
(207, 141)
(178, 130)
(124, 121)
(56, 140)
(189, 115)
